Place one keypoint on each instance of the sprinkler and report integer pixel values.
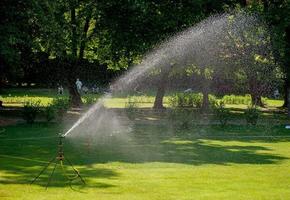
(59, 160)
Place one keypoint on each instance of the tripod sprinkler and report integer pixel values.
(59, 160)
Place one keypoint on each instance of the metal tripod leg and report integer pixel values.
(42, 170)
(51, 175)
(76, 171)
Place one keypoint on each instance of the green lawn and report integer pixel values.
(153, 161)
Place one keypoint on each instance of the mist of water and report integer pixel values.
(88, 114)
(218, 41)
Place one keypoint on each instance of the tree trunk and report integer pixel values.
(158, 103)
(257, 100)
(287, 65)
(75, 97)
(244, 3)
(84, 35)
(205, 91)
(288, 100)
(73, 29)
(254, 91)
(205, 99)
(1, 83)
(286, 86)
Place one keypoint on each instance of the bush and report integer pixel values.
(183, 100)
(181, 118)
(50, 113)
(131, 106)
(235, 99)
(221, 113)
(185, 119)
(252, 115)
(60, 105)
(89, 100)
(212, 101)
(30, 111)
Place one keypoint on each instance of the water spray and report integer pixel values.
(59, 160)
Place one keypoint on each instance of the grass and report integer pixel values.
(17, 97)
(152, 162)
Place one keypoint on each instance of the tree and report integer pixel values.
(15, 38)
(190, 17)
(249, 55)
(65, 29)
(277, 15)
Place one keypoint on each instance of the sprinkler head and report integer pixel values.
(60, 135)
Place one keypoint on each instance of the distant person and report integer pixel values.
(95, 89)
(85, 89)
(188, 90)
(79, 85)
(276, 94)
(60, 90)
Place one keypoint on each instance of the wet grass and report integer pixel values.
(153, 161)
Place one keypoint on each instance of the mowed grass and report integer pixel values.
(153, 161)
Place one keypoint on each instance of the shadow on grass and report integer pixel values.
(21, 161)
(191, 152)
(19, 170)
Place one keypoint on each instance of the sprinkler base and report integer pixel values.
(59, 159)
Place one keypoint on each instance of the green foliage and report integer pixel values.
(56, 109)
(30, 111)
(183, 100)
(185, 119)
(212, 100)
(252, 115)
(60, 105)
(49, 113)
(89, 100)
(15, 37)
(20, 100)
(239, 99)
(181, 118)
(189, 100)
(221, 113)
(236, 99)
(131, 107)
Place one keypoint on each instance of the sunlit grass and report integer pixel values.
(157, 165)
(17, 97)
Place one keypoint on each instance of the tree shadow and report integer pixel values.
(23, 160)
(191, 152)
(21, 170)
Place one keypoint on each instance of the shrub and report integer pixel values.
(30, 111)
(185, 119)
(181, 118)
(236, 99)
(252, 115)
(212, 101)
(50, 113)
(221, 113)
(60, 105)
(184, 100)
(131, 106)
(89, 100)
